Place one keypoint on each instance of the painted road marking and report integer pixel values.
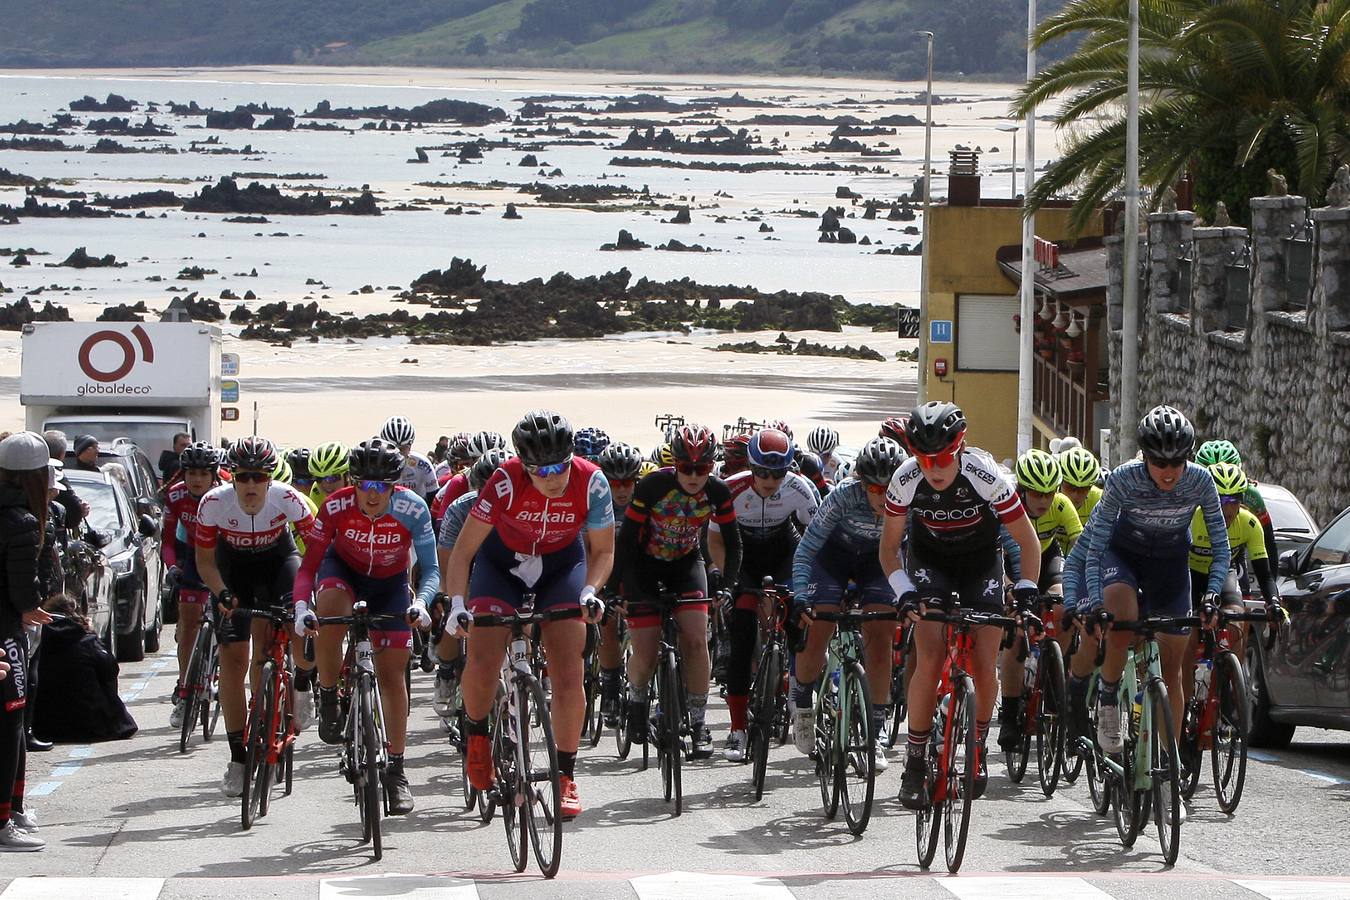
(84, 888)
(700, 886)
(1296, 890)
(1023, 887)
(414, 887)
(1263, 756)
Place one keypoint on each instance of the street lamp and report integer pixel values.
(1012, 129)
(927, 202)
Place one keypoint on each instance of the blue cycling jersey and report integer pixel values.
(1140, 518)
(845, 519)
(455, 514)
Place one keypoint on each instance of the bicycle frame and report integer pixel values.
(278, 646)
(960, 649)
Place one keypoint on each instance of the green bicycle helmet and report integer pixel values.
(282, 470)
(1229, 479)
(329, 459)
(1212, 452)
(1079, 467)
(1038, 471)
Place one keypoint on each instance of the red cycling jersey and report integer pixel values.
(528, 522)
(180, 506)
(455, 486)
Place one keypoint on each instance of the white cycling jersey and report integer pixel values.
(419, 475)
(765, 518)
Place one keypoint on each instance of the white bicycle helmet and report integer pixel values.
(822, 440)
(399, 431)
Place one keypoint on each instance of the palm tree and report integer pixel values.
(1228, 89)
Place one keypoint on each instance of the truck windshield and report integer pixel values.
(152, 437)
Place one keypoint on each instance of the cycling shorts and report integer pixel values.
(1230, 598)
(388, 596)
(188, 576)
(1052, 568)
(979, 587)
(1163, 584)
(834, 566)
(498, 586)
(256, 580)
(758, 560)
(686, 577)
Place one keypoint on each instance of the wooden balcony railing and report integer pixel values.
(1065, 401)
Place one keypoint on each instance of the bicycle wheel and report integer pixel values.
(286, 734)
(1188, 746)
(927, 821)
(253, 802)
(827, 708)
(898, 708)
(962, 755)
(372, 799)
(1228, 749)
(670, 750)
(1052, 712)
(1125, 801)
(467, 791)
(1018, 755)
(622, 739)
(540, 778)
(509, 787)
(210, 708)
(857, 760)
(192, 698)
(763, 709)
(1162, 759)
(594, 721)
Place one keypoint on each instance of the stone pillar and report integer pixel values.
(1115, 283)
(1331, 294)
(1209, 275)
(1166, 232)
(1273, 220)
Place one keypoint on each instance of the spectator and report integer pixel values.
(441, 452)
(86, 453)
(77, 697)
(168, 459)
(24, 477)
(75, 509)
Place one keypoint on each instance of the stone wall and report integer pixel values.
(1276, 384)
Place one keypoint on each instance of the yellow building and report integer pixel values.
(971, 308)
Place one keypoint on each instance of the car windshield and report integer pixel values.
(103, 510)
(1286, 515)
(1332, 547)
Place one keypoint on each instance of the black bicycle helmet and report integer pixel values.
(693, 444)
(878, 460)
(253, 453)
(200, 455)
(299, 460)
(375, 460)
(542, 438)
(484, 466)
(622, 462)
(935, 427)
(1165, 433)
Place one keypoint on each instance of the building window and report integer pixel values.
(985, 338)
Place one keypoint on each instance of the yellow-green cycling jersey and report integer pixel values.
(313, 511)
(1060, 522)
(1245, 537)
(1089, 503)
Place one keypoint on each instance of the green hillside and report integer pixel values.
(974, 37)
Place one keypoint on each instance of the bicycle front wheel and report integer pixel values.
(1228, 748)
(594, 722)
(928, 821)
(857, 757)
(510, 786)
(371, 796)
(962, 761)
(827, 708)
(670, 750)
(1162, 757)
(538, 761)
(253, 802)
(192, 694)
(1018, 755)
(763, 709)
(210, 707)
(1051, 712)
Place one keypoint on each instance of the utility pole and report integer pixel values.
(927, 204)
(1123, 438)
(1025, 355)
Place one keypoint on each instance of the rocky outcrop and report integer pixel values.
(123, 313)
(742, 143)
(626, 241)
(259, 199)
(20, 313)
(79, 258)
(114, 104)
(511, 212)
(462, 112)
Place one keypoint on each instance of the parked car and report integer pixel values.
(1305, 679)
(1294, 525)
(129, 547)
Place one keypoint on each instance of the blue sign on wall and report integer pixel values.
(940, 331)
(229, 392)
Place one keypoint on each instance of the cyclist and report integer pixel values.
(839, 546)
(246, 555)
(773, 506)
(735, 456)
(418, 473)
(590, 443)
(457, 485)
(1057, 526)
(622, 465)
(301, 477)
(660, 545)
(805, 463)
(449, 661)
(957, 497)
(362, 547)
(328, 465)
(523, 536)
(1141, 546)
(1081, 471)
(1212, 452)
(823, 442)
(199, 471)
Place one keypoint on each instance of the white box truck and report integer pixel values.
(144, 381)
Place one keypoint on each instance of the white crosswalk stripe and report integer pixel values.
(1296, 890)
(701, 886)
(83, 889)
(977, 887)
(412, 887)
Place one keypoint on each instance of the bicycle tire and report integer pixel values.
(211, 704)
(1051, 713)
(192, 698)
(1124, 802)
(927, 821)
(1166, 792)
(1228, 757)
(594, 722)
(1188, 746)
(1099, 785)
(856, 764)
(467, 791)
(253, 802)
(543, 784)
(763, 710)
(286, 723)
(508, 788)
(372, 790)
(898, 708)
(1017, 758)
(963, 748)
(672, 719)
(826, 707)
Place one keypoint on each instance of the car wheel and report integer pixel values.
(1264, 731)
(131, 646)
(152, 633)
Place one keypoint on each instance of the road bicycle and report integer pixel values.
(201, 684)
(1042, 709)
(669, 727)
(953, 745)
(767, 706)
(269, 732)
(902, 650)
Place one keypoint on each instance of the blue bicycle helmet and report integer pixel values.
(771, 449)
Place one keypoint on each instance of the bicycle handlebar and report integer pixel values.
(527, 616)
(853, 615)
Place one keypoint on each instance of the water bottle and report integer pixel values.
(1137, 708)
(1203, 672)
(940, 721)
(1029, 670)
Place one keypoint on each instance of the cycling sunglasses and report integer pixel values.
(876, 488)
(765, 472)
(1230, 499)
(332, 480)
(252, 477)
(694, 468)
(379, 487)
(307, 482)
(551, 469)
(623, 483)
(1166, 463)
(936, 460)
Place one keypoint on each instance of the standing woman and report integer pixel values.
(23, 521)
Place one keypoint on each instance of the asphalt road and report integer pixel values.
(138, 820)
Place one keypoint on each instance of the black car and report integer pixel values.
(1305, 679)
(128, 544)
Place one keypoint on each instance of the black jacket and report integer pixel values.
(77, 699)
(18, 560)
